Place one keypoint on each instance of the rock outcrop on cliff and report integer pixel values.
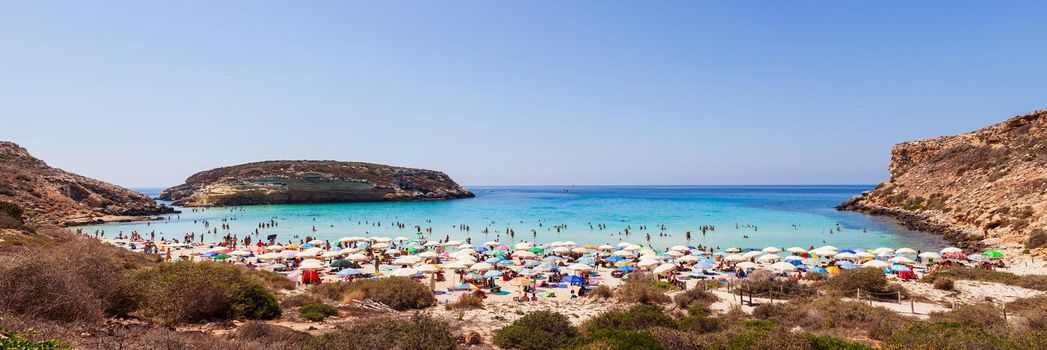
(987, 187)
(54, 196)
(310, 181)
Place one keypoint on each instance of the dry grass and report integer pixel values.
(466, 302)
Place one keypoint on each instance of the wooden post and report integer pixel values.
(859, 294)
(912, 304)
(899, 296)
(1005, 311)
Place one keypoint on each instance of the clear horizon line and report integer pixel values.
(635, 185)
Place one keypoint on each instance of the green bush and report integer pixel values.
(466, 302)
(199, 291)
(941, 335)
(399, 293)
(317, 312)
(537, 330)
(618, 339)
(643, 288)
(981, 316)
(763, 281)
(830, 343)
(13, 340)
(635, 318)
(272, 280)
(872, 283)
(695, 297)
(420, 332)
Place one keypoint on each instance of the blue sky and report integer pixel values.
(528, 92)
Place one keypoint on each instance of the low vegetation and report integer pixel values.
(399, 293)
(767, 282)
(869, 282)
(193, 292)
(643, 288)
(538, 330)
(466, 302)
(419, 332)
(12, 216)
(1038, 282)
(317, 312)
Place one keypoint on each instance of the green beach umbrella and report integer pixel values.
(340, 263)
(537, 250)
(221, 256)
(993, 253)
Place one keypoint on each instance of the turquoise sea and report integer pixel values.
(744, 216)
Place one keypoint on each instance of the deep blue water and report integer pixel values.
(783, 216)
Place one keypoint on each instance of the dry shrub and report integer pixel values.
(466, 302)
(329, 292)
(317, 312)
(1038, 282)
(763, 281)
(635, 318)
(872, 283)
(695, 297)
(297, 300)
(601, 292)
(643, 288)
(944, 284)
(981, 316)
(270, 334)
(200, 291)
(420, 332)
(830, 313)
(1037, 238)
(399, 293)
(272, 280)
(75, 281)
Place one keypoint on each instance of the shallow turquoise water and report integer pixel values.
(784, 216)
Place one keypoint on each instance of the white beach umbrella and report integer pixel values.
(407, 260)
(952, 250)
(523, 246)
(328, 255)
(379, 246)
(783, 266)
(561, 250)
(240, 253)
(772, 250)
(676, 253)
(357, 257)
(882, 250)
(632, 247)
(427, 268)
(734, 257)
(465, 246)
(403, 272)
(663, 268)
(752, 254)
(768, 258)
(687, 259)
(311, 264)
(579, 267)
(879, 264)
(846, 256)
(823, 252)
(648, 263)
(580, 250)
(492, 244)
(275, 247)
(457, 265)
(428, 255)
(431, 244)
(905, 251)
(311, 252)
(525, 254)
(352, 239)
(901, 260)
(401, 239)
(569, 243)
(622, 253)
(796, 250)
(623, 244)
(556, 244)
(733, 250)
(680, 248)
(382, 239)
(481, 266)
(316, 242)
(930, 255)
(746, 265)
(864, 255)
(606, 247)
(829, 247)
(271, 256)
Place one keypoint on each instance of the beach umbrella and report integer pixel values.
(311, 264)
(783, 266)
(580, 267)
(951, 250)
(846, 256)
(403, 272)
(882, 250)
(357, 257)
(271, 256)
(222, 256)
(348, 272)
(456, 265)
(407, 260)
(687, 259)
(380, 246)
(829, 247)
(823, 252)
(977, 257)
(864, 255)
(734, 257)
(427, 268)
(569, 243)
(587, 260)
(680, 248)
(752, 254)
(523, 246)
(792, 258)
(626, 268)
(276, 266)
(291, 246)
(615, 258)
(431, 244)
(580, 250)
(796, 250)
(663, 268)
(401, 239)
(769, 258)
(525, 254)
(733, 250)
(482, 266)
(930, 255)
(993, 254)
(341, 263)
(493, 274)
(647, 263)
(905, 251)
(428, 255)
(605, 247)
(900, 268)
(623, 253)
(466, 246)
(546, 267)
(879, 264)
(307, 245)
(240, 253)
(520, 282)
(491, 244)
(328, 255)
(746, 265)
(901, 260)
(676, 253)
(317, 242)
(955, 255)
(290, 254)
(772, 250)
(561, 250)
(847, 265)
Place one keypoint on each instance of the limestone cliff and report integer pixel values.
(54, 196)
(987, 187)
(309, 181)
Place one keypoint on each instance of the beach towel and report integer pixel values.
(502, 293)
(548, 294)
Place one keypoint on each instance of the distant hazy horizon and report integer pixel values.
(145, 94)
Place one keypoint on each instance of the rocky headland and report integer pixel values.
(983, 188)
(311, 181)
(53, 196)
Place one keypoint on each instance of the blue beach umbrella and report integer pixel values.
(587, 261)
(615, 258)
(900, 268)
(848, 266)
(308, 245)
(493, 274)
(492, 260)
(627, 268)
(531, 263)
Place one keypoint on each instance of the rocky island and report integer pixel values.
(987, 187)
(312, 181)
(53, 196)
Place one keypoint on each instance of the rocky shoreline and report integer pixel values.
(918, 221)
